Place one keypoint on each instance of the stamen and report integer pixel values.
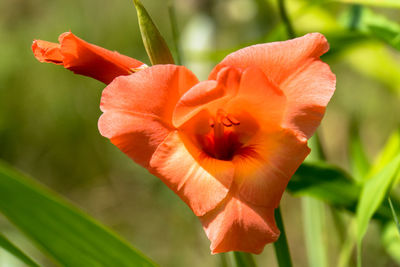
(233, 120)
(226, 122)
(211, 122)
(223, 144)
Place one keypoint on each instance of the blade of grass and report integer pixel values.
(358, 160)
(348, 246)
(61, 230)
(313, 215)
(378, 3)
(391, 241)
(395, 218)
(11, 248)
(391, 149)
(313, 222)
(372, 195)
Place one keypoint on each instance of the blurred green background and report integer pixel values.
(48, 116)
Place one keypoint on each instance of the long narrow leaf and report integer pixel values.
(325, 182)
(395, 218)
(391, 149)
(358, 159)
(313, 225)
(313, 215)
(10, 247)
(333, 186)
(372, 195)
(68, 235)
(391, 241)
(155, 45)
(378, 3)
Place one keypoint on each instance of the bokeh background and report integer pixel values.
(48, 116)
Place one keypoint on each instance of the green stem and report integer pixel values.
(285, 18)
(356, 11)
(281, 246)
(243, 259)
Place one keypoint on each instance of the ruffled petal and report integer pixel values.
(260, 98)
(138, 108)
(263, 170)
(207, 94)
(295, 67)
(278, 60)
(240, 226)
(308, 93)
(84, 58)
(201, 181)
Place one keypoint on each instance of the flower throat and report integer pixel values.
(222, 141)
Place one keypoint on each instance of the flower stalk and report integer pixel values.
(281, 245)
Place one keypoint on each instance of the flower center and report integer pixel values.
(222, 142)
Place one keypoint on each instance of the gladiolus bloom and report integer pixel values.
(229, 145)
(84, 58)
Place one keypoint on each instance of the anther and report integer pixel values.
(226, 122)
(211, 122)
(233, 120)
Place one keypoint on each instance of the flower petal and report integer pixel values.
(295, 67)
(206, 95)
(259, 97)
(136, 136)
(138, 108)
(201, 181)
(85, 58)
(240, 226)
(308, 93)
(264, 169)
(47, 52)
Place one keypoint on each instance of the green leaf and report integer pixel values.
(372, 195)
(358, 159)
(391, 241)
(377, 26)
(155, 45)
(7, 245)
(346, 251)
(391, 149)
(395, 218)
(380, 27)
(313, 214)
(379, 3)
(313, 225)
(325, 182)
(332, 185)
(67, 234)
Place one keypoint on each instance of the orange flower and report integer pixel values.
(227, 146)
(84, 58)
